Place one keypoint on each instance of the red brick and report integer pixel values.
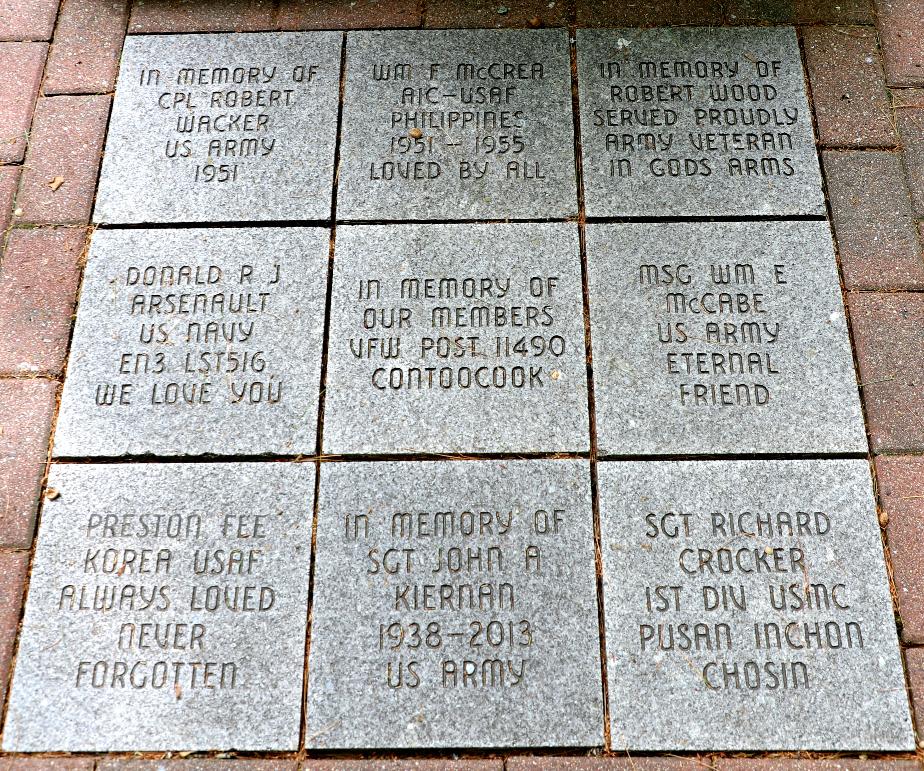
(408, 764)
(9, 178)
(901, 27)
(889, 341)
(914, 661)
(901, 497)
(497, 13)
(21, 67)
(198, 16)
(646, 13)
(877, 237)
(336, 14)
(46, 764)
(84, 56)
(26, 410)
(13, 567)
(620, 763)
(38, 281)
(848, 87)
(796, 764)
(800, 11)
(27, 19)
(909, 117)
(196, 765)
(66, 146)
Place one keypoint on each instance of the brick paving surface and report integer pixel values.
(800, 11)
(26, 409)
(901, 496)
(848, 87)
(877, 236)
(84, 57)
(21, 66)
(27, 19)
(38, 283)
(47, 764)
(865, 68)
(196, 16)
(13, 566)
(909, 119)
(900, 25)
(334, 14)
(59, 179)
(889, 337)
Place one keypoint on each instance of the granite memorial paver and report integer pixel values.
(166, 610)
(698, 121)
(457, 124)
(454, 606)
(456, 338)
(713, 338)
(747, 608)
(197, 341)
(222, 128)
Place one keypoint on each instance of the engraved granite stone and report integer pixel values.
(456, 338)
(716, 338)
(457, 124)
(197, 341)
(747, 608)
(454, 606)
(166, 610)
(696, 122)
(222, 128)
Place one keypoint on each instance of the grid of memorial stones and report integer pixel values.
(167, 609)
(455, 601)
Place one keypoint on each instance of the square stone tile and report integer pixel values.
(197, 341)
(696, 121)
(716, 338)
(460, 124)
(454, 606)
(222, 128)
(166, 610)
(456, 339)
(748, 608)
